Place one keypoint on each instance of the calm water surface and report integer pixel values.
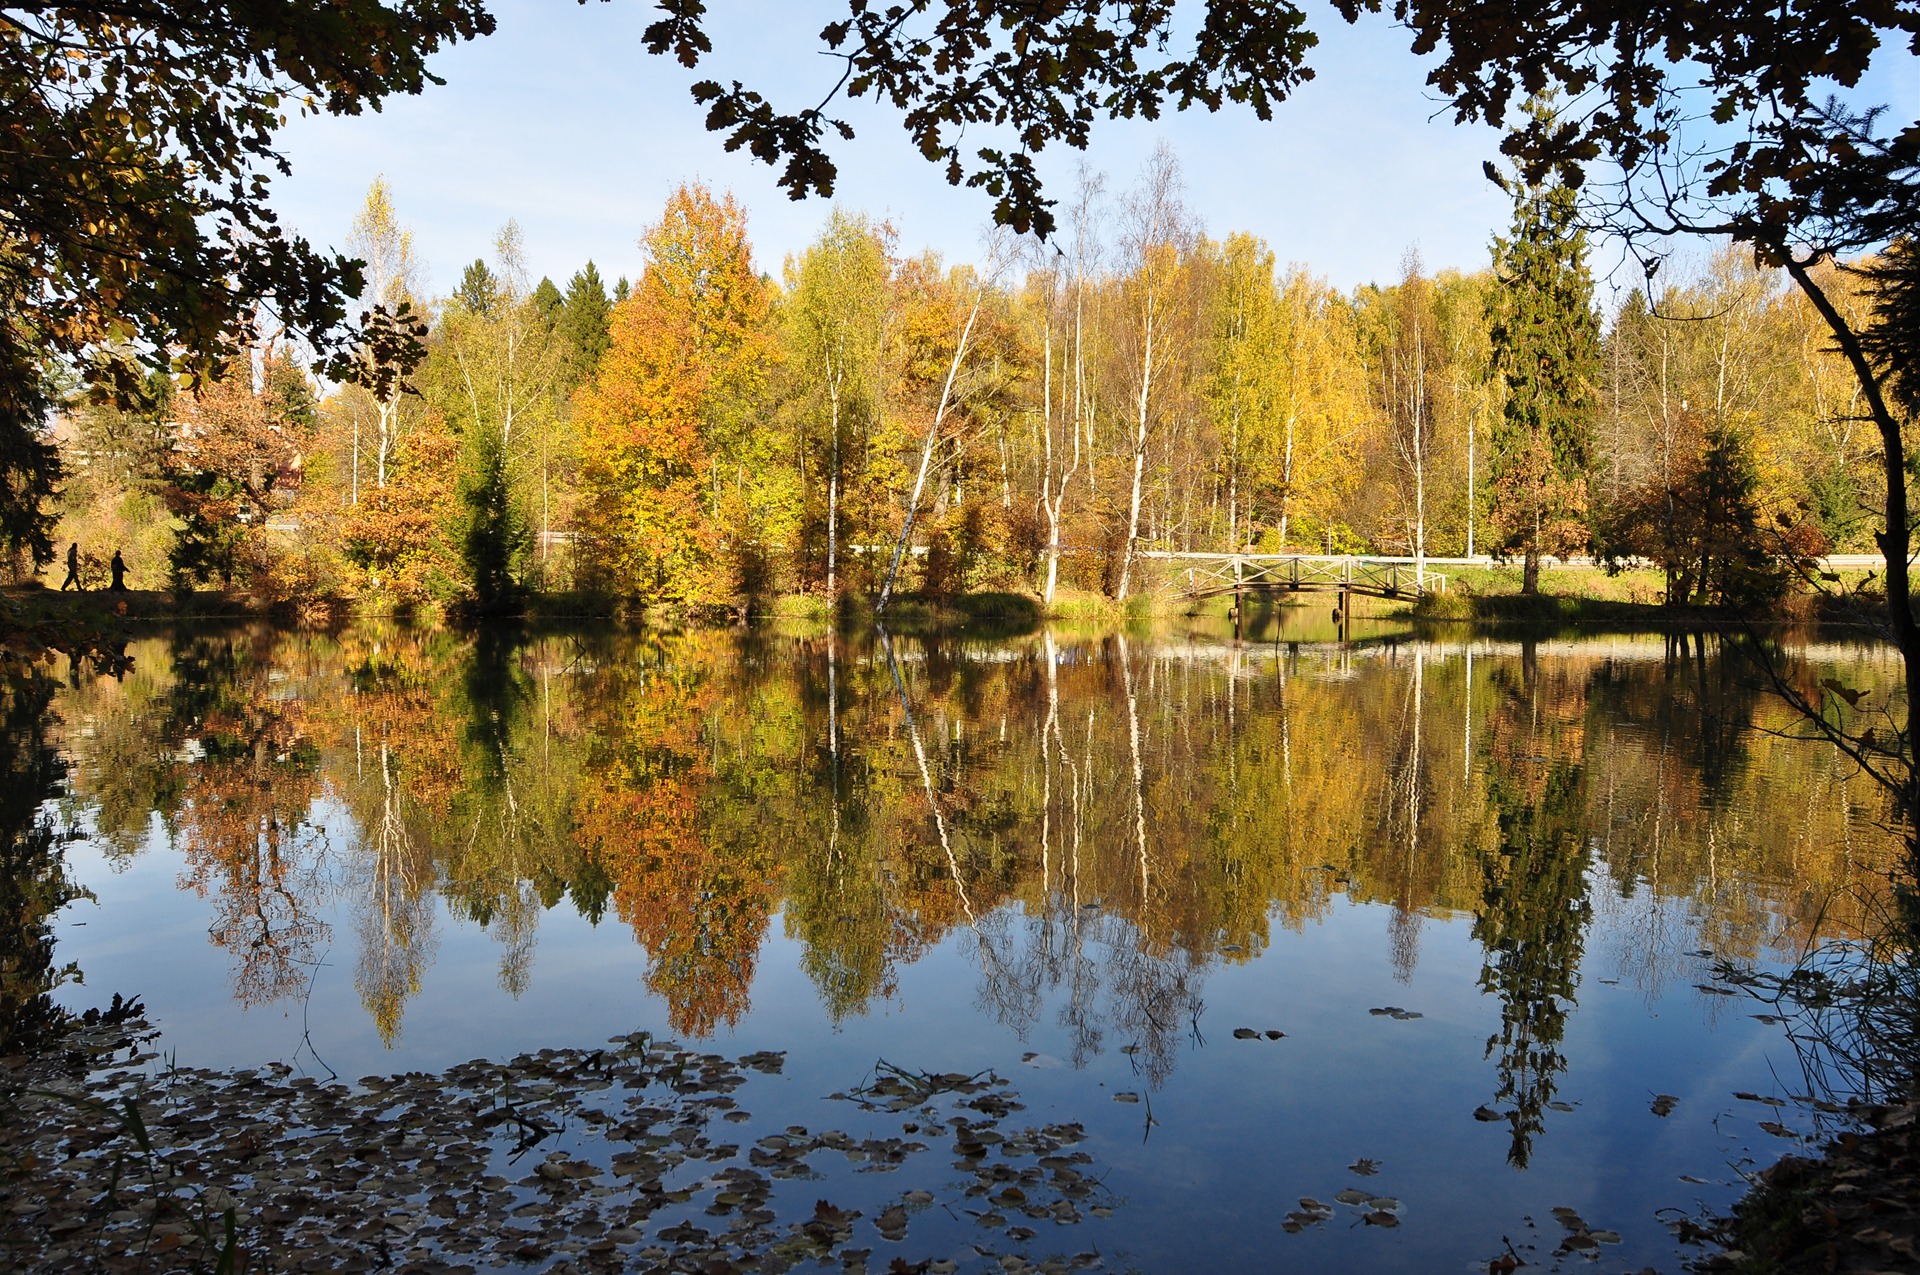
(1082, 862)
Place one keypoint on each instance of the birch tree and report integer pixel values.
(392, 276)
(1155, 236)
(838, 320)
(999, 254)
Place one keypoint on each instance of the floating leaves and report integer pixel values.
(1580, 1238)
(1663, 1105)
(634, 1156)
(1396, 1013)
(1248, 1033)
(1374, 1210)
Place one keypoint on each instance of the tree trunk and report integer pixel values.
(833, 501)
(926, 454)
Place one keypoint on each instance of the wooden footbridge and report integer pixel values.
(1213, 575)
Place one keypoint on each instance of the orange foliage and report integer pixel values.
(699, 909)
(241, 822)
(687, 347)
(399, 533)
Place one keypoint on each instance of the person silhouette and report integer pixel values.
(119, 568)
(73, 568)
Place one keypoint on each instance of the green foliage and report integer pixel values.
(547, 301)
(479, 292)
(1546, 345)
(1532, 925)
(585, 321)
(494, 545)
(1707, 532)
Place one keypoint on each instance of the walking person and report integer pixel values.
(73, 568)
(119, 568)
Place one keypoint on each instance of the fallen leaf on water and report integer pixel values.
(1663, 1104)
(1245, 1033)
(1379, 1218)
(1364, 1166)
(1351, 1196)
(1486, 1114)
(1126, 1097)
(1274, 1035)
(1776, 1129)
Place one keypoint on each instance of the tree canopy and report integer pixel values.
(136, 154)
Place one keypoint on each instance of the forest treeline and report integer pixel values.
(712, 433)
(1105, 821)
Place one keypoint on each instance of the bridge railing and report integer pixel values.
(1205, 574)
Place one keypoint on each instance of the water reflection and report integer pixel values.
(1102, 821)
(34, 884)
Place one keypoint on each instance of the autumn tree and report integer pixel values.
(1546, 344)
(1309, 463)
(139, 233)
(494, 375)
(391, 277)
(671, 401)
(1242, 392)
(237, 454)
(837, 313)
(1066, 288)
(1406, 356)
(1155, 236)
(940, 328)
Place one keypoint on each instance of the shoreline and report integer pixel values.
(25, 608)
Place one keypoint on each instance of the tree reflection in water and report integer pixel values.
(1103, 821)
(34, 884)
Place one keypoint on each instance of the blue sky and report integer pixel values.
(563, 123)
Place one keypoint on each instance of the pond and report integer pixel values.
(1434, 930)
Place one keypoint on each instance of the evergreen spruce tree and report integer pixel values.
(547, 301)
(479, 291)
(586, 321)
(1546, 344)
(495, 544)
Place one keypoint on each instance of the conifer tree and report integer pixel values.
(1546, 345)
(547, 301)
(479, 292)
(586, 320)
(495, 543)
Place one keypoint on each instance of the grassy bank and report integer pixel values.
(1572, 596)
(1489, 596)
